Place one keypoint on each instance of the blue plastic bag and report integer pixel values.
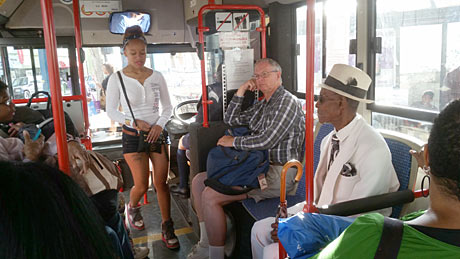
(305, 234)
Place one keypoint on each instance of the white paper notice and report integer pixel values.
(239, 67)
(229, 40)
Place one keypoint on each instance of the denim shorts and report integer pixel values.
(130, 143)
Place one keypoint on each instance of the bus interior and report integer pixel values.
(409, 48)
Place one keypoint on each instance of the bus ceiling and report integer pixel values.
(21, 19)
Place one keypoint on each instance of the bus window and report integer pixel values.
(415, 128)
(418, 66)
(29, 71)
(339, 18)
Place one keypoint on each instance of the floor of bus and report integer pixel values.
(151, 236)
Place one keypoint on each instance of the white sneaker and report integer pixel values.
(140, 252)
(199, 251)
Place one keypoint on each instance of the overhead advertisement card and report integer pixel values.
(99, 9)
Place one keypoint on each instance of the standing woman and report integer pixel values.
(145, 90)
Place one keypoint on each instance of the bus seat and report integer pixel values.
(201, 141)
(267, 207)
(406, 168)
(75, 110)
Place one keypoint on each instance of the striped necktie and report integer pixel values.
(334, 151)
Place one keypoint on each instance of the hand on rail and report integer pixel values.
(142, 125)
(274, 232)
(250, 85)
(226, 141)
(14, 128)
(154, 133)
(33, 149)
(78, 157)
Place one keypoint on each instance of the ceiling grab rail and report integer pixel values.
(201, 30)
(49, 34)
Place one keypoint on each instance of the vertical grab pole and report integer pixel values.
(309, 98)
(76, 21)
(55, 84)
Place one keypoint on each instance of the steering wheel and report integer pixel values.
(186, 111)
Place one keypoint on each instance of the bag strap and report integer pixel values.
(126, 96)
(390, 242)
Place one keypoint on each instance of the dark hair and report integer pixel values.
(444, 149)
(3, 86)
(429, 92)
(44, 214)
(108, 67)
(133, 30)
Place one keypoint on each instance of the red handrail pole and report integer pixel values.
(78, 44)
(201, 30)
(309, 99)
(49, 34)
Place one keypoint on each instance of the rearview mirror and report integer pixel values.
(119, 21)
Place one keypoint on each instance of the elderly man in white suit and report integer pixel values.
(355, 161)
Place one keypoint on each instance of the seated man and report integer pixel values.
(355, 161)
(277, 125)
(436, 233)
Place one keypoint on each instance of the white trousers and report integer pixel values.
(262, 245)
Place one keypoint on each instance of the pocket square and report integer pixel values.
(348, 170)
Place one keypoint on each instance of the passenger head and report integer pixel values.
(6, 106)
(135, 46)
(267, 74)
(107, 69)
(444, 150)
(44, 214)
(427, 97)
(342, 91)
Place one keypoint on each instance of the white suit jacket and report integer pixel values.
(365, 149)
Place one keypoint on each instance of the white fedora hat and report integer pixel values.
(348, 81)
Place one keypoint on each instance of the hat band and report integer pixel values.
(348, 88)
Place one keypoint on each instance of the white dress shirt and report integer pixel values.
(144, 99)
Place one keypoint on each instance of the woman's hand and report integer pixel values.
(419, 156)
(14, 128)
(154, 133)
(33, 149)
(142, 125)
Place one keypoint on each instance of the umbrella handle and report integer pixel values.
(286, 166)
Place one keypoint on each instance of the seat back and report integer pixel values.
(321, 131)
(406, 168)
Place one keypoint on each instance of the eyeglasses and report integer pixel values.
(263, 75)
(322, 99)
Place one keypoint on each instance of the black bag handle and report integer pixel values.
(126, 96)
(48, 103)
(390, 242)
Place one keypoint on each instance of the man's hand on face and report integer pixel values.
(226, 141)
(250, 85)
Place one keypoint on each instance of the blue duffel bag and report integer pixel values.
(231, 171)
